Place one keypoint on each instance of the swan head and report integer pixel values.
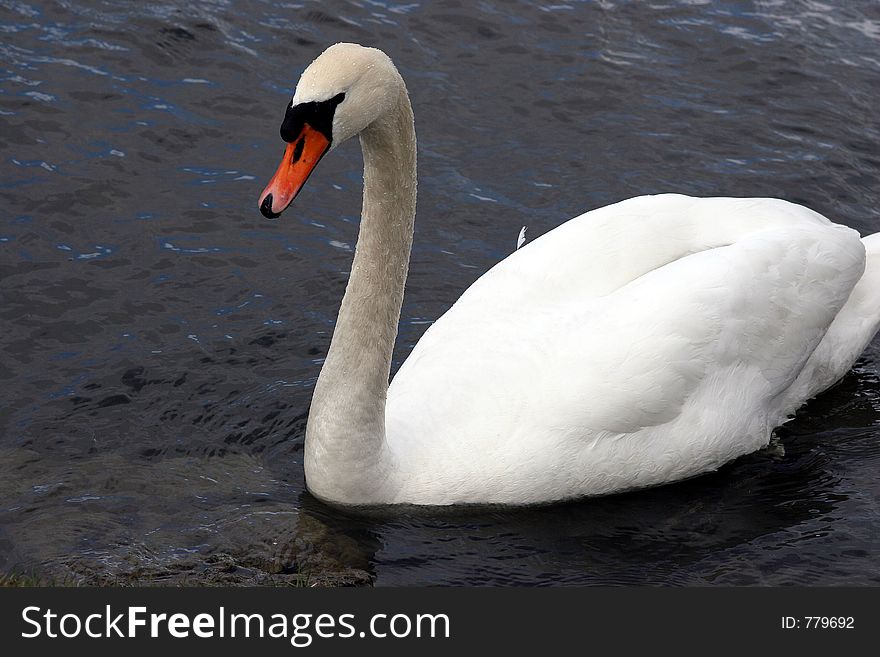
(339, 95)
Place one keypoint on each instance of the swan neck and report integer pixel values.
(347, 457)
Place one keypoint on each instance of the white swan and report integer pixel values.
(637, 344)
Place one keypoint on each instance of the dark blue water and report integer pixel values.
(160, 339)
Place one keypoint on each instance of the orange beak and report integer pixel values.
(300, 159)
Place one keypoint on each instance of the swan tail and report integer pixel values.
(851, 331)
(864, 301)
(872, 245)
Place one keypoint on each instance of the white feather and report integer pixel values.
(638, 344)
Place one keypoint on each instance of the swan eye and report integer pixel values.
(317, 114)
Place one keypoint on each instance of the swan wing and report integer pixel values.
(663, 349)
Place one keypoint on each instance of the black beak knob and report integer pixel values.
(266, 208)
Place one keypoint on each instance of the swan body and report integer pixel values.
(637, 344)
